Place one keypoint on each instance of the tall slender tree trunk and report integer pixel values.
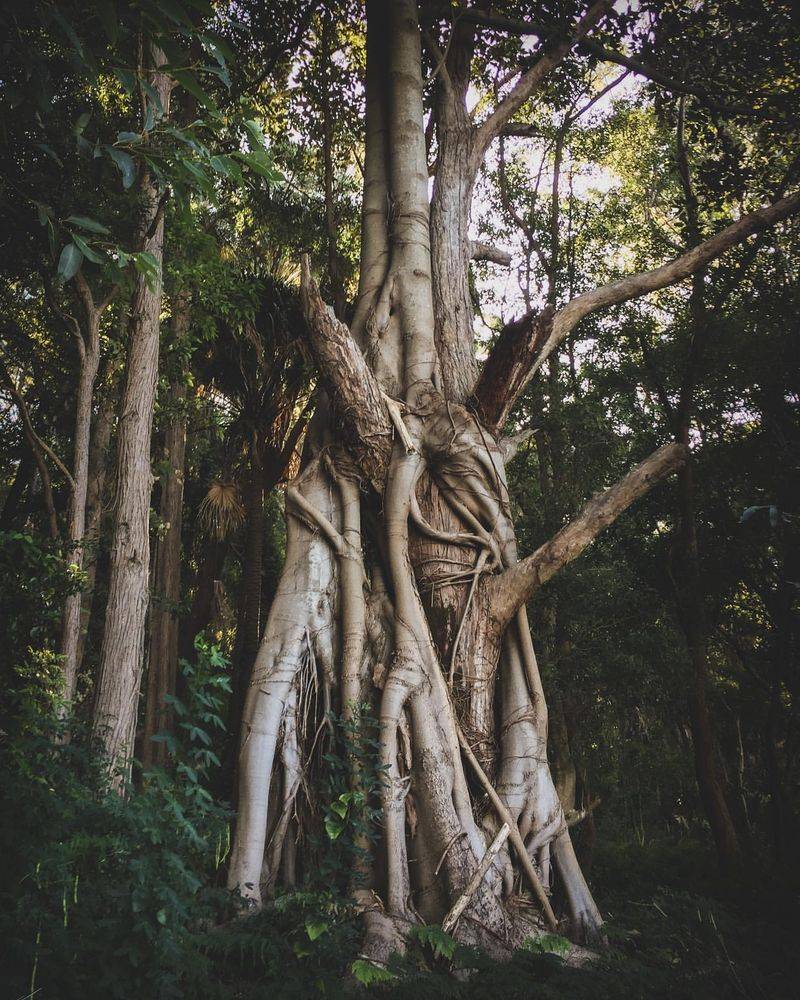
(121, 657)
(88, 338)
(162, 666)
(690, 598)
(96, 504)
(76, 523)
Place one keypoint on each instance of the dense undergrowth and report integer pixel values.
(108, 897)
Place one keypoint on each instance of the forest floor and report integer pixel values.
(676, 929)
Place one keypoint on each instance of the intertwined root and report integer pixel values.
(423, 645)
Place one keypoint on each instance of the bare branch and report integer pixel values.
(634, 285)
(532, 79)
(511, 589)
(462, 902)
(655, 75)
(516, 839)
(355, 393)
(507, 369)
(478, 250)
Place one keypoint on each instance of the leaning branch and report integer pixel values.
(355, 393)
(516, 838)
(635, 285)
(511, 589)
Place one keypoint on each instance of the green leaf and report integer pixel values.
(91, 225)
(227, 166)
(552, 944)
(315, 929)
(86, 250)
(69, 262)
(161, 916)
(333, 827)
(260, 163)
(81, 123)
(51, 153)
(126, 78)
(257, 138)
(189, 82)
(368, 974)
(125, 163)
(339, 807)
(442, 944)
(132, 137)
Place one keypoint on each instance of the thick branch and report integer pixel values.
(533, 78)
(634, 285)
(518, 583)
(478, 250)
(355, 393)
(507, 369)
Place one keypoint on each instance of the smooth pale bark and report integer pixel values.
(438, 612)
(122, 654)
(162, 667)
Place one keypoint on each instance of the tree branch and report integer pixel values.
(511, 589)
(478, 250)
(532, 79)
(354, 391)
(634, 285)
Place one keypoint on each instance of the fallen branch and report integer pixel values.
(462, 902)
(514, 834)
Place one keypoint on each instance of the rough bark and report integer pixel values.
(122, 654)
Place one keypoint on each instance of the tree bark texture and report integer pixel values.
(122, 654)
(402, 587)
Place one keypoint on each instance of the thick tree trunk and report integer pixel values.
(413, 600)
(121, 658)
(248, 633)
(162, 666)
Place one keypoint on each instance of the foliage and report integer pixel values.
(106, 895)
